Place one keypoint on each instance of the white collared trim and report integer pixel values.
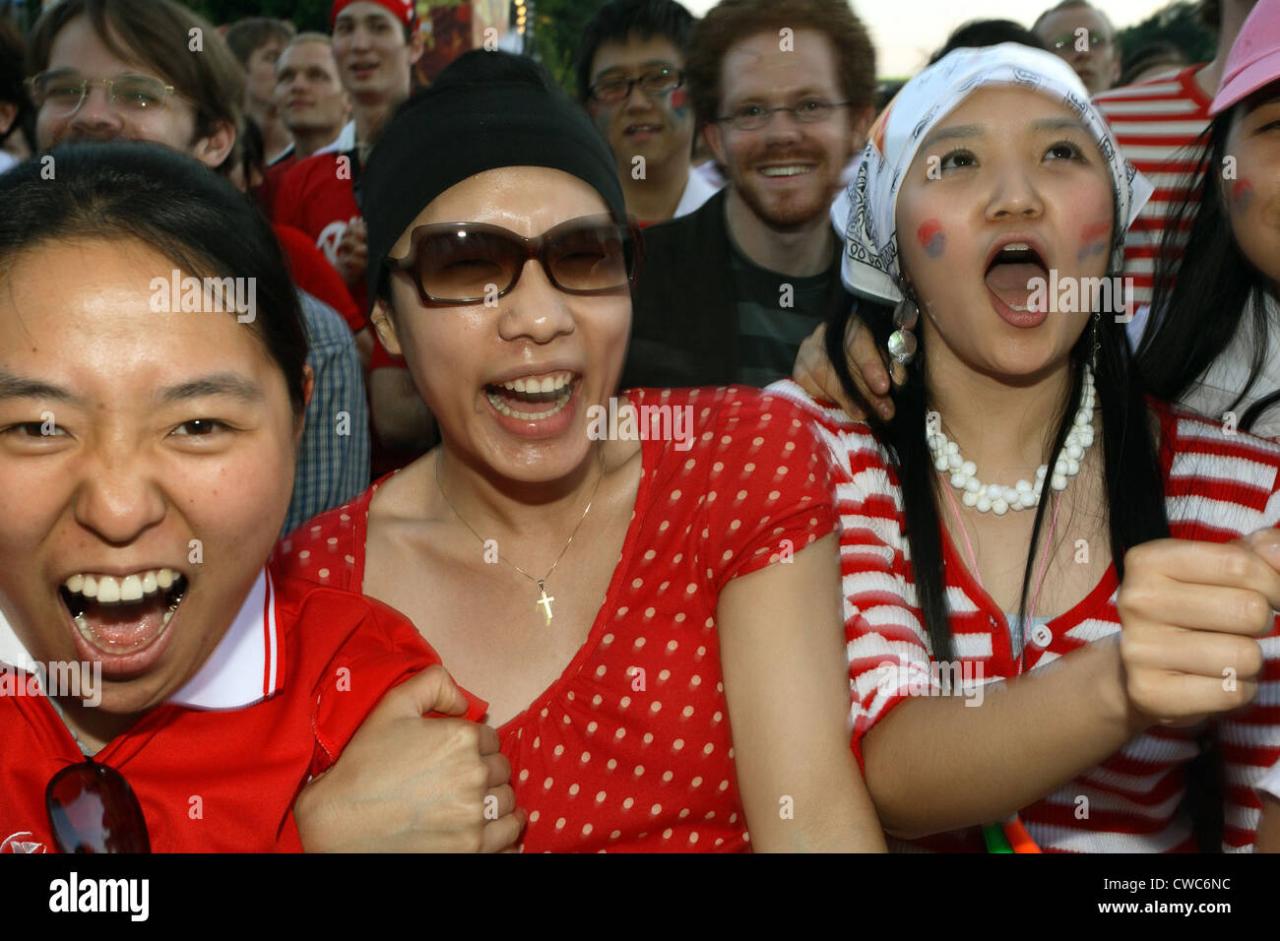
(12, 650)
(344, 142)
(243, 669)
(697, 191)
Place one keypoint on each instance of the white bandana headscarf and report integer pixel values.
(866, 212)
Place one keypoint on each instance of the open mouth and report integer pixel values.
(364, 69)
(123, 615)
(643, 129)
(533, 398)
(1012, 270)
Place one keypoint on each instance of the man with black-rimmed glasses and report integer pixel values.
(631, 80)
(728, 293)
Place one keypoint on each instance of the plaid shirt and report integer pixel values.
(333, 458)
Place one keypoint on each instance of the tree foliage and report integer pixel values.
(304, 14)
(558, 29)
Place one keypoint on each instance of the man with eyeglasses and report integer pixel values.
(1082, 36)
(83, 88)
(728, 293)
(632, 82)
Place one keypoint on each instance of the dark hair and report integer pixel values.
(1069, 5)
(979, 33)
(245, 37)
(12, 91)
(170, 202)
(155, 34)
(250, 151)
(1211, 14)
(1151, 55)
(731, 21)
(622, 20)
(1133, 480)
(1197, 310)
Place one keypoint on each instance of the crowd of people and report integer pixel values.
(732, 455)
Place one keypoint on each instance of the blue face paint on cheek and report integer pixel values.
(679, 102)
(1094, 239)
(931, 238)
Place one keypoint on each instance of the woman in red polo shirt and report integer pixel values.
(155, 692)
(622, 592)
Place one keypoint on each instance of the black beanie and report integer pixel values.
(486, 110)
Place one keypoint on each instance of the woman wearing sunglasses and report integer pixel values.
(1061, 588)
(621, 598)
(157, 691)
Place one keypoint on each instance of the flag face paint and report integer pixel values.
(1094, 240)
(680, 101)
(932, 239)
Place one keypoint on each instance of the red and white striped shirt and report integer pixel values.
(1157, 125)
(1218, 487)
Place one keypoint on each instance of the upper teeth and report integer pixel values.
(549, 384)
(783, 171)
(107, 589)
(1016, 247)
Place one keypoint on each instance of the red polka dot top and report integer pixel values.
(630, 748)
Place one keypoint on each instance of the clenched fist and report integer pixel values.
(406, 783)
(1192, 613)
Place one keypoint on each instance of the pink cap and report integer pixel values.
(1255, 58)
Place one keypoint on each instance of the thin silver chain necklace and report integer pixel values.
(544, 600)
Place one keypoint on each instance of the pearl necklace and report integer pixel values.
(1023, 495)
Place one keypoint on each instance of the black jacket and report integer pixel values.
(684, 329)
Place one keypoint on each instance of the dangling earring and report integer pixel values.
(1093, 356)
(902, 342)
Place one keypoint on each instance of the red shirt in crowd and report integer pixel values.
(317, 195)
(272, 177)
(312, 272)
(630, 749)
(218, 766)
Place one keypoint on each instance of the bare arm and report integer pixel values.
(1190, 613)
(1268, 839)
(942, 763)
(787, 687)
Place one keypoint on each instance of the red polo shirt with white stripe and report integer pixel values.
(1218, 488)
(1157, 125)
(218, 766)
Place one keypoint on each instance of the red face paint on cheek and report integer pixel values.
(931, 237)
(1242, 194)
(679, 99)
(1093, 240)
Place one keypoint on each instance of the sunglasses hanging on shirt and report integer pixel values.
(92, 809)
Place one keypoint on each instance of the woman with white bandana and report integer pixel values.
(1028, 505)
